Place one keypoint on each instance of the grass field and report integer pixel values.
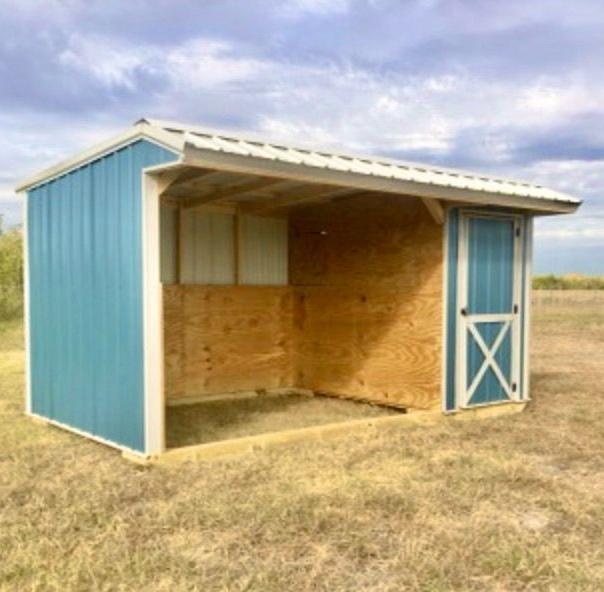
(513, 503)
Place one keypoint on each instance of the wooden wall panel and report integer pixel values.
(173, 340)
(232, 338)
(367, 274)
(362, 316)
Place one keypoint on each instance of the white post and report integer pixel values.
(528, 280)
(445, 311)
(152, 320)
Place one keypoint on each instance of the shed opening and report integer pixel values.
(266, 290)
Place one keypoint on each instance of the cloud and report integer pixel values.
(301, 8)
(507, 88)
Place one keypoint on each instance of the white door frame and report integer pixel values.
(465, 323)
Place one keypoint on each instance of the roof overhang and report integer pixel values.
(193, 155)
(232, 153)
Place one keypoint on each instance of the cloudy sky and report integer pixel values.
(514, 88)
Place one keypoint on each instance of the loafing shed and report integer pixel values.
(175, 264)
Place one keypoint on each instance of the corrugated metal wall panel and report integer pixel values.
(85, 262)
(263, 251)
(168, 236)
(208, 244)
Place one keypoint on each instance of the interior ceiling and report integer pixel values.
(191, 187)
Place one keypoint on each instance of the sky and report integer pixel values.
(512, 88)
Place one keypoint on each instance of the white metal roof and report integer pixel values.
(235, 152)
(221, 141)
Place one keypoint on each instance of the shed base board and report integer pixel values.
(236, 396)
(238, 446)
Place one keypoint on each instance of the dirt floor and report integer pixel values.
(504, 504)
(221, 420)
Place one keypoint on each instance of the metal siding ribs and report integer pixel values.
(85, 296)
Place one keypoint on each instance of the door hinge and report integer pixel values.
(518, 231)
(514, 387)
(515, 309)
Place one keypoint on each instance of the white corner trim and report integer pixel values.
(445, 309)
(137, 132)
(155, 441)
(26, 322)
(528, 280)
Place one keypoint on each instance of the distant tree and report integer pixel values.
(568, 282)
(11, 275)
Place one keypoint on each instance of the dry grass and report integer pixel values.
(221, 420)
(513, 503)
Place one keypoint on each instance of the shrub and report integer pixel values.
(11, 275)
(568, 282)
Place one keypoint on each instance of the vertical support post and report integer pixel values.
(518, 295)
(445, 309)
(461, 364)
(528, 280)
(26, 324)
(155, 441)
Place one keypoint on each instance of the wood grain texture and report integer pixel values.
(367, 275)
(362, 316)
(227, 338)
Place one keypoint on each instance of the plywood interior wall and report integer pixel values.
(227, 338)
(361, 316)
(367, 275)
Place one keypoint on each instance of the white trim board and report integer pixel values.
(154, 404)
(528, 278)
(445, 311)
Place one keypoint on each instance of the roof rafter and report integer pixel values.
(305, 195)
(256, 184)
(435, 208)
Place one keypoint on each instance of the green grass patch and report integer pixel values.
(568, 282)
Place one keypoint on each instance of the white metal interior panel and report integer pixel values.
(169, 252)
(208, 247)
(263, 251)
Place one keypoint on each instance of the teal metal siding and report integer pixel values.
(490, 265)
(85, 278)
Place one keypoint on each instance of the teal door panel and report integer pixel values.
(489, 318)
(490, 265)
